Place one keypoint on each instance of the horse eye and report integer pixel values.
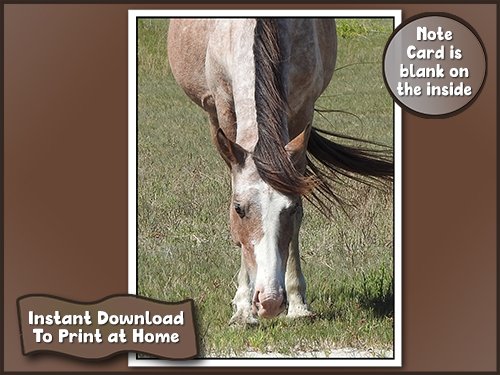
(239, 210)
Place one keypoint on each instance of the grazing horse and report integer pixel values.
(258, 80)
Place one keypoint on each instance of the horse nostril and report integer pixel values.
(256, 297)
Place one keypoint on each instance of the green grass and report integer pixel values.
(361, 27)
(184, 247)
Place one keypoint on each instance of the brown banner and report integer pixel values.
(104, 328)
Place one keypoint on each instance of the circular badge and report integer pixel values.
(434, 65)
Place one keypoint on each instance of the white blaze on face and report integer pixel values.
(267, 203)
(270, 272)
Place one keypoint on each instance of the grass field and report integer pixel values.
(184, 246)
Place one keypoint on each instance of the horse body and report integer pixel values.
(213, 61)
(258, 80)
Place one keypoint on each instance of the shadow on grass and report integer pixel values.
(381, 306)
(376, 292)
(372, 292)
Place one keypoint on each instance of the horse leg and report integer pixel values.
(222, 115)
(242, 301)
(295, 282)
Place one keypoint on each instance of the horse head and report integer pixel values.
(263, 223)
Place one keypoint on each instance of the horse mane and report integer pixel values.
(271, 159)
(326, 159)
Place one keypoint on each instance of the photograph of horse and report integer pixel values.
(259, 83)
(258, 80)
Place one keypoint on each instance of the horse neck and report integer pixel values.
(270, 69)
(243, 83)
(258, 78)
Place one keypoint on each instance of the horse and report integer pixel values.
(258, 81)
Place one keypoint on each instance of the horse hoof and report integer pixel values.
(243, 320)
(300, 312)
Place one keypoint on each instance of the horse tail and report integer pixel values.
(367, 165)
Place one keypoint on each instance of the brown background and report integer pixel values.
(65, 187)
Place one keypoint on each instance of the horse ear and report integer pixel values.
(296, 147)
(230, 151)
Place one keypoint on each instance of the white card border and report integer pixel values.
(396, 361)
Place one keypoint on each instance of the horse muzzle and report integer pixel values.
(270, 305)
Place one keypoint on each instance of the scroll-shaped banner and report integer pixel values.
(104, 328)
